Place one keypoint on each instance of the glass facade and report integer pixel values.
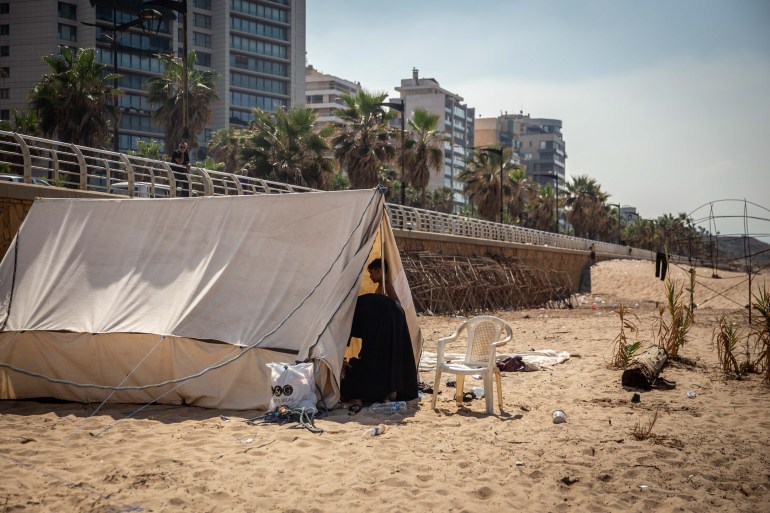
(259, 65)
(258, 83)
(247, 44)
(261, 11)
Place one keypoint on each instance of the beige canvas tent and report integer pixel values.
(184, 301)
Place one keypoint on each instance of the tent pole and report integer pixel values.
(382, 256)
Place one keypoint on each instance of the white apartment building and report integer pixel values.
(455, 118)
(323, 94)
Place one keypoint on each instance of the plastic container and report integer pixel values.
(376, 430)
(559, 417)
(478, 392)
(394, 407)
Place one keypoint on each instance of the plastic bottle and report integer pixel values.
(394, 407)
(376, 430)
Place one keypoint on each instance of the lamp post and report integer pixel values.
(498, 151)
(179, 6)
(400, 106)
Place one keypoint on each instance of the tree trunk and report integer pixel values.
(644, 370)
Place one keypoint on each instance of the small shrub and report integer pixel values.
(759, 333)
(725, 338)
(643, 432)
(672, 335)
(625, 350)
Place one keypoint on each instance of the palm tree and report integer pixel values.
(150, 149)
(73, 100)
(586, 205)
(167, 93)
(541, 208)
(481, 177)
(424, 150)
(362, 143)
(225, 146)
(522, 189)
(283, 146)
(441, 200)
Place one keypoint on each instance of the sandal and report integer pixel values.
(353, 409)
(468, 397)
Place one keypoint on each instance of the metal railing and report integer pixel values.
(92, 169)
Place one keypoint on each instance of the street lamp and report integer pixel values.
(498, 151)
(400, 106)
(179, 6)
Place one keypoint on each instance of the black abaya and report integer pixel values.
(386, 361)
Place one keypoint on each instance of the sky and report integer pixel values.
(665, 103)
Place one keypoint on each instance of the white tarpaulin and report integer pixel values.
(147, 291)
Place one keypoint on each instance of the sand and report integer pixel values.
(709, 453)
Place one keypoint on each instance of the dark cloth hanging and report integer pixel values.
(385, 363)
(661, 265)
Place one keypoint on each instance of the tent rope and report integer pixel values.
(304, 417)
(224, 360)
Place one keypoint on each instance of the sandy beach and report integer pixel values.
(709, 451)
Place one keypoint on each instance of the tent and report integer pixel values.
(184, 301)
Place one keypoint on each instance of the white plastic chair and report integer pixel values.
(485, 334)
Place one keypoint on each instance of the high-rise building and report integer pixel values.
(455, 118)
(323, 94)
(538, 142)
(257, 46)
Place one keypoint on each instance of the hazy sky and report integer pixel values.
(666, 103)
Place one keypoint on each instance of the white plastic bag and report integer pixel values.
(292, 385)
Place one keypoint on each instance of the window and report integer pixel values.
(5, 71)
(5, 51)
(260, 65)
(4, 7)
(68, 11)
(200, 39)
(5, 114)
(254, 9)
(259, 29)
(202, 4)
(262, 84)
(202, 20)
(250, 101)
(68, 32)
(203, 58)
(5, 93)
(260, 47)
(315, 98)
(5, 29)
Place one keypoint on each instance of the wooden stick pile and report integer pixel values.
(457, 285)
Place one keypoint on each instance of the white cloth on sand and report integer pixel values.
(541, 359)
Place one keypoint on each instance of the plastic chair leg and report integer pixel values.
(488, 394)
(460, 383)
(499, 390)
(436, 385)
